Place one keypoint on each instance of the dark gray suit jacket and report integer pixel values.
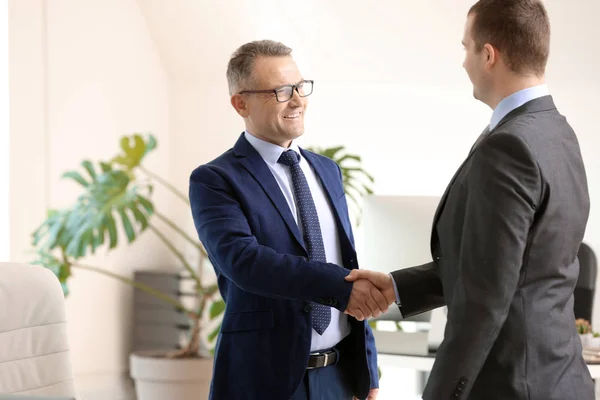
(504, 243)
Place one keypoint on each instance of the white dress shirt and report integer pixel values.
(339, 327)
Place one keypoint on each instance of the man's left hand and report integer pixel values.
(372, 395)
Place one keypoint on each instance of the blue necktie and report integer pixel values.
(321, 314)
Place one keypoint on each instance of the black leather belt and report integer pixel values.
(322, 359)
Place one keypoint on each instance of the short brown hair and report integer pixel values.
(241, 63)
(519, 29)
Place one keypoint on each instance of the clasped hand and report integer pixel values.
(372, 294)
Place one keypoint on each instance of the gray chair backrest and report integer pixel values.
(586, 283)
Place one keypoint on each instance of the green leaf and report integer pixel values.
(146, 204)
(129, 231)
(76, 176)
(217, 309)
(151, 144)
(139, 216)
(106, 167)
(134, 150)
(87, 165)
(211, 336)
(112, 230)
(87, 239)
(348, 157)
(82, 227)
(331, 152)
(99, 238)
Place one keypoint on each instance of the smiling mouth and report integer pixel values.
(293, 116)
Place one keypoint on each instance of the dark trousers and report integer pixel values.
(328, 383)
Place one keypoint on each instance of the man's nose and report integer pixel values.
(296, 100)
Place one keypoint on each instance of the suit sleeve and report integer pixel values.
(372, 357)
(504, 190)
(224, 230)
(419, 289)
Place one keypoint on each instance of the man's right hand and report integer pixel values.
(379, 285)
(366, 300)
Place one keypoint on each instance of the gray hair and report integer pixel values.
(241, 63)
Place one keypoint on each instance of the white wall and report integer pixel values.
(83, 73)
(4, 134)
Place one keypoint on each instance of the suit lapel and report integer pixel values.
(257, 167)
(328, 177)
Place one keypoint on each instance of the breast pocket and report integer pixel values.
(247, 321)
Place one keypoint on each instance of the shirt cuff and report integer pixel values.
(397, 296)
(395, 290)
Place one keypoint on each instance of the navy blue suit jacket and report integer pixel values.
(266, 280)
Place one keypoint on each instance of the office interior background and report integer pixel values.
(389, 86)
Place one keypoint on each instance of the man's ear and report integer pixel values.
(491, 54)
(240, 105)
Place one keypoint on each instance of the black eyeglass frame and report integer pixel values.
(276, 90)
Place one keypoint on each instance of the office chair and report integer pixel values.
(586, 283)
(35, 358)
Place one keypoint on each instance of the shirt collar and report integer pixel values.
(268, 151)
(516, 100)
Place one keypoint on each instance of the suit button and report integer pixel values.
(308, 307)
(333, 302)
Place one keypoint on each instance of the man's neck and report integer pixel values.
(513, 85)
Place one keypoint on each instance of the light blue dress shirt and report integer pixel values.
(339, 327)
(507, 105)
(515, 101)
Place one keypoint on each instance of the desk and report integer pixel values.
(425, 363)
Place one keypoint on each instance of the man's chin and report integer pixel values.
(296, 133)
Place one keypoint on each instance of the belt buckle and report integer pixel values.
(325, 360)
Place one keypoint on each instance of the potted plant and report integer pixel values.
(119, 192)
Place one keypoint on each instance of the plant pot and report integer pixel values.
(594, 342)
(159, 378)
(586, 340)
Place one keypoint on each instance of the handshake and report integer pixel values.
(372, 294)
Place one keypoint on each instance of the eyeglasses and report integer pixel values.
(286, 92)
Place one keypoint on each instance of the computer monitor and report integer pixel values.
(396, 234)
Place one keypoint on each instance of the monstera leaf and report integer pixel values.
(109, 196)
(134, 149)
